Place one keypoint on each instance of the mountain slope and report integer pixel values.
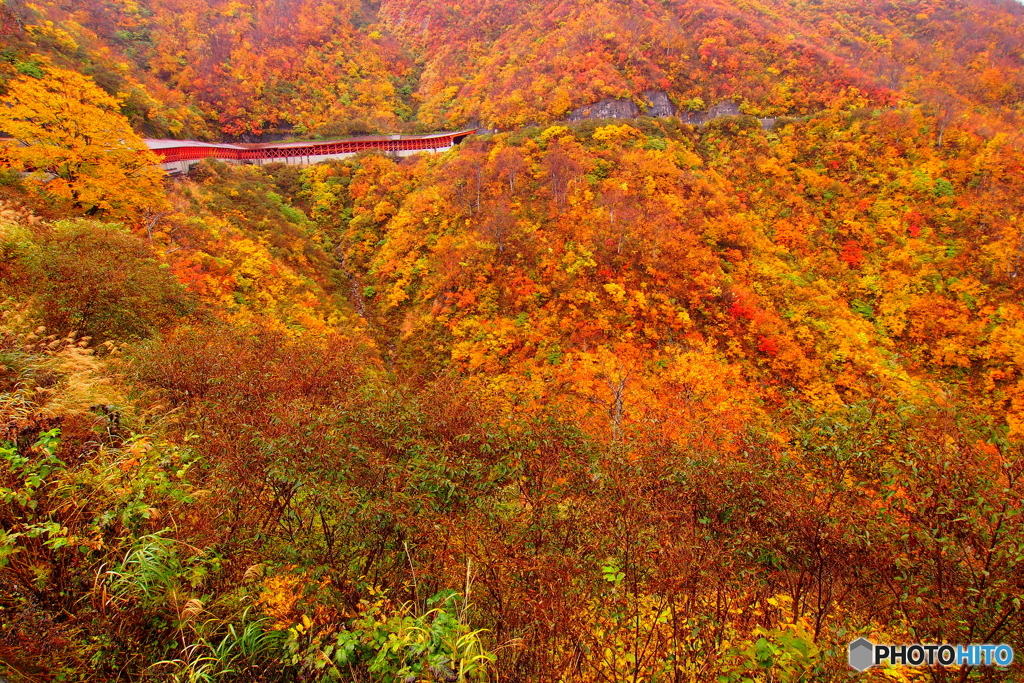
(571, 402)
(337, 65)
(534, 61)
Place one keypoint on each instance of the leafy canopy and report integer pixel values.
(69, 135)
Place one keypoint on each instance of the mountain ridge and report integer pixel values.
(773, 58)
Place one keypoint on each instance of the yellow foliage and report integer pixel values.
(280, 598)
(552, 132)
(71, 138)
(80, 379)
(613, 133)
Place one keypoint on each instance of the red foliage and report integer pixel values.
(767, 345)
(740, 310)
(914, 219)
(852, 254)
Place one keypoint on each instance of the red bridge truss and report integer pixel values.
(177, 155)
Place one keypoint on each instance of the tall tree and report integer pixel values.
(70, 136)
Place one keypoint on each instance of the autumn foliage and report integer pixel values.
(572, 402)
(71, 138)
(336, 66)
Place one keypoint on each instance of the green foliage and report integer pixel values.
(96, 279)
(10, 178)
(22, 63)
(32, 471)
(943, 188)
(31, 68)
(288, 211)
(147, 572)
(400, 643)
(611, 572)
(658, 144)
(233, 652)
(863, 308)
(780, 655)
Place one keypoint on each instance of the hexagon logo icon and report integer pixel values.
(862, 654)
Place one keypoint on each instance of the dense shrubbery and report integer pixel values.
(116, 558)
(604, 404)
(94, 279)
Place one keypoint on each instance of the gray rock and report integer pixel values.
(658, 103)
(606, 109)
(725, 108)
(694, 118)
(699, 118)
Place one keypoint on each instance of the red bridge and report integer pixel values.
(180, 155)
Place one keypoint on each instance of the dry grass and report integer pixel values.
(49, 376)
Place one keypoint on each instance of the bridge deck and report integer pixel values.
(179, 155)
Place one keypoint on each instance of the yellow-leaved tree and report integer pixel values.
(71, 138)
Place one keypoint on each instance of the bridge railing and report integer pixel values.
(174, 151)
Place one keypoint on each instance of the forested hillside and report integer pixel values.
(328, 67)
(580, 402)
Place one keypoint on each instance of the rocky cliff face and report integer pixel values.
(656, 103)
(652, 103)
(606, 109)
(721, 109)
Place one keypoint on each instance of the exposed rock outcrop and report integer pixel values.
(658, 103)
(606, 109)
(721, 109)
(652, 103)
